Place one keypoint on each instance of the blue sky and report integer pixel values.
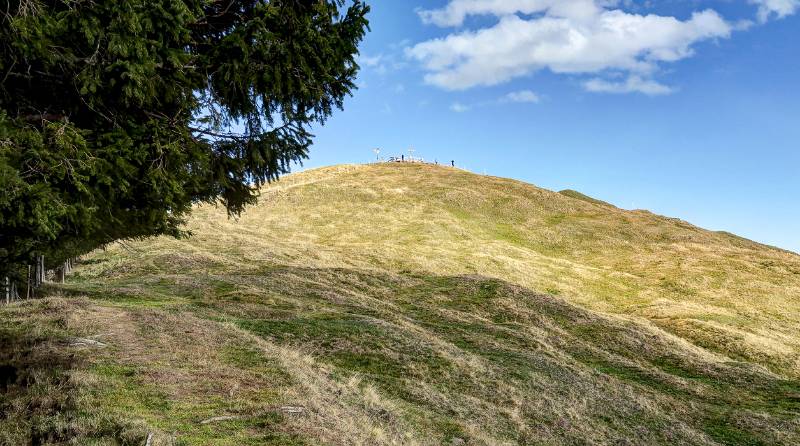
(690, 109)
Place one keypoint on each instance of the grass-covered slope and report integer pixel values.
(412, 304)
(718, 290)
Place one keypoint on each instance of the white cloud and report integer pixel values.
(523, 96)
(460, 108)
(382, 64)
(515, 97)
(775, 8)
(377, 63)
(634, 84)
(457, 10)
(564, 36)
(369, 61)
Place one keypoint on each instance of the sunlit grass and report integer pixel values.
(410, 304)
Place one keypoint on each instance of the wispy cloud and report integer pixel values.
(522, 96)
(382, 64)
(369, 61)
(768, 9)
(460, 108)
(634, 84)
(515, 97)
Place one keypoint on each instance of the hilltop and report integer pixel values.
(713, 288)
(413, 304)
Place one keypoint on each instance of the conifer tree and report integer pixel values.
(116, 117)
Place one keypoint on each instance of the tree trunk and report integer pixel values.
(61, 272)
(40, 272)
(29, 293)
(7, 289)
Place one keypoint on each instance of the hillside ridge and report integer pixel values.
(327, 171)
(412, 305)
(435, 218)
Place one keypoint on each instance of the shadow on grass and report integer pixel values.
(413, 331)
(37, 394)
(459, 350)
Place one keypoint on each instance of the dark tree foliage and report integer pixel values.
(117, 116)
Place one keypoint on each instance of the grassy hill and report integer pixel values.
(413, 304)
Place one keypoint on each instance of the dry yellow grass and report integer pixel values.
(717, 290)
(414, 305)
